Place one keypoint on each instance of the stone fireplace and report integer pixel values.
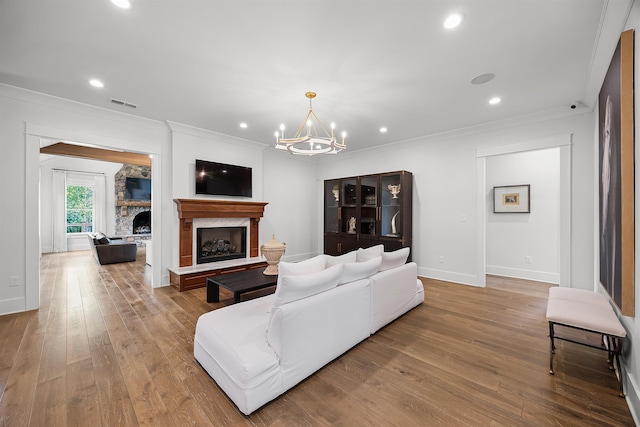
(131, 215)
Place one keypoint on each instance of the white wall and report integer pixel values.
(444, 169)
(290, 187)
(512, 237)
(46, 193)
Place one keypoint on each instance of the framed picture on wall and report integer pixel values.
(617, 177)
(511, 199)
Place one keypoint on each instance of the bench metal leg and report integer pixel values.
(552, 348)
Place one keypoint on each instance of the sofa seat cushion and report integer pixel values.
(234, 337)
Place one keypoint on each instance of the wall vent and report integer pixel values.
(123, 103)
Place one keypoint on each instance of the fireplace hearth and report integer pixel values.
(220, 243)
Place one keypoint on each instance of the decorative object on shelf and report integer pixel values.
(395, 190)
(511, 199)
(370, 199)
(336, 192)
(272, 251)
(352, 225)
(312, 142)
(394, 226)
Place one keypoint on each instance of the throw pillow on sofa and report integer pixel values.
(100, 239)
(341, 259)
(369, 253)
(394, 259)
(294, 287)
(360, 270)
(307, 266)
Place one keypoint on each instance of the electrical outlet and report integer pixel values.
(13, 281)
(528, 259)
(441, 259)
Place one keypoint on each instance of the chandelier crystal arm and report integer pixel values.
(313, 142)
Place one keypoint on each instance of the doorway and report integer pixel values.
(563, 144)
(523, 234)
(34, 135)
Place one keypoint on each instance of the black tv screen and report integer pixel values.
(137, 189)
(220, 179)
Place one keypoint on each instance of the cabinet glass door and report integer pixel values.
(348, 206)
(368, 205)
(332, 206)
(391, 216)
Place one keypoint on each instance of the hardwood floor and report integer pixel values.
(106, 349)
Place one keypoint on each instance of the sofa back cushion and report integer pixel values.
(360, 270)
(307, 266)
(294, 287)
(367, 254)
(341, 259)
(394, 259)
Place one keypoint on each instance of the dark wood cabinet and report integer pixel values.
(364, 211)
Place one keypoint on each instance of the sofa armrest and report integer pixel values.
(393, 293)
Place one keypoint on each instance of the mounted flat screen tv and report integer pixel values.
(137, 189)
(220, 179)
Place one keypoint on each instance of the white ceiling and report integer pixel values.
(213, 64)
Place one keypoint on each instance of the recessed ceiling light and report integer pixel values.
(243, 125)
(124, 4)
(495, 100)
(96, 83)
(483, 78)
(383, 130)
(453, 20)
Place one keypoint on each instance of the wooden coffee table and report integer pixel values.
(238, 283)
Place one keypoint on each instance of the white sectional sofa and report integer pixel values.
(258, 349)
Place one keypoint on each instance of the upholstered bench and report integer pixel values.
(586, 311)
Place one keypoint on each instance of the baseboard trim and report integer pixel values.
(631, 395)
(15, 305)
(517, 273)
(448, 276)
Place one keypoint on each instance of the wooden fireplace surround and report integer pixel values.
(188, 209)
(188, 276)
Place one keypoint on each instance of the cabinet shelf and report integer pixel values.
(366, 214)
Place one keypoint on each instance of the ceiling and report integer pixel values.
(214, 64)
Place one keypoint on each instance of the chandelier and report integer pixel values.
(316, 140)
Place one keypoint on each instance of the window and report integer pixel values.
(79, 208)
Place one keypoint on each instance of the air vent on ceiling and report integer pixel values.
(124, 104)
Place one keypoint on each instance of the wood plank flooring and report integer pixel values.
(105, 349)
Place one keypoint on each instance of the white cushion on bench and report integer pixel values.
(583, 309)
